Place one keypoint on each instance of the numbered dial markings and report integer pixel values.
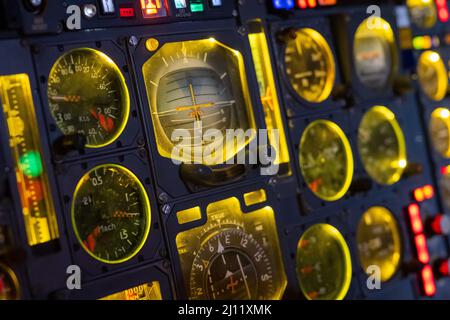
(87, 95)
(310, 65)
(111, 213)
(231, 265)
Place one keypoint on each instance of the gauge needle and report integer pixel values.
(65, 98)
(243, 276)
(90, 239)
(106, 122)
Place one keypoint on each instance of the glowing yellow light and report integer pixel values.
(147, 291)
(432, 75)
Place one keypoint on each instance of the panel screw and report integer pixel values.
(273, 181)
(163, 197)
(89, 10)
(166, 209)
(133, 41)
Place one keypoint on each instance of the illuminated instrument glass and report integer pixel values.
(310, 65)
(379, 242)
(197, 84)
(9, 285)
(374, 52)
(87, 95)
(111, 213)
(423, 13)
(440, 131)
(432, 75)
(324, 267)
(382, 146)
(326, 160)
(154, 8)
(268, 95)
(233, 256)
(146, 291)
(24, 141)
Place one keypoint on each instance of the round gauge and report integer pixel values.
(423, 13)
(379, 244)
(440, 131)
(197, 90)
(87, 95)
(374, 52)
(324, 267)
(382, 146)
(236, 267)
(111, 213)
(432, 75)
(310, 65)
(326, 160)
(9, 285)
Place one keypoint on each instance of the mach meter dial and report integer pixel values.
(326, 160)
(439, 129)
(111, 213)
(196, 87)
(234, 256)
(309, 65)
(87, 95)
(382, 145)
(229, 265)
(324, 267)
(374, 52)
(432, 75)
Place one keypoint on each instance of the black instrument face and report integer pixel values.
(111, 213)
(87, 95)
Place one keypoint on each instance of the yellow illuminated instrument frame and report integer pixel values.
(327, 56)
(268, 94)
(315, 236)
(225, 215)
(376, 26)
(102, 59)
(349, 165)
(431, 60)
(153, 70)
(443, 116)
(146, 206)
(15, 282)
(146, 291)
(370, 248)
(31, 175)
(397, 164)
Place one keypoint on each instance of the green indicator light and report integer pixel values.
(31, 164)
(197, 6)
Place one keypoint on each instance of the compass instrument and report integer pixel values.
(382, 146)
(440, 131)
(423, 13)
(374, 52)
(309, 65)
(197, 90)
(324, 267)
(111, 213)
(233, 256)
(326, 160)
(432, 75)
(9, 285)
(87, 95)
(379, 242)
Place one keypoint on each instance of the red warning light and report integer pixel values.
(442, 9)
(305, 4)
(415, 219)
(429, 286)
(126, 12)
(154, 8)
(422, 248)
